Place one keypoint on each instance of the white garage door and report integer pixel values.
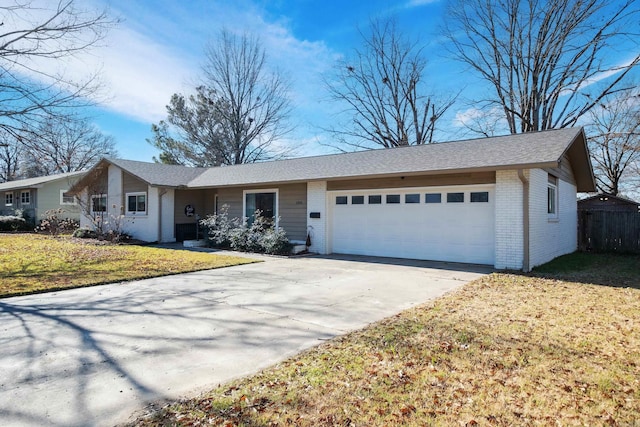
(443, 224)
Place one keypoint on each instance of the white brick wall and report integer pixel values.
(508, 220)
(552, 237)
(548, 237)
(317, 202)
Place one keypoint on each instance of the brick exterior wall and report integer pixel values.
(551, 237)
(508, 233)
(548, 237)
(317, 202)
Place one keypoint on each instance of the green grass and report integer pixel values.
(606, 269)
(504, 350)
(35, 263)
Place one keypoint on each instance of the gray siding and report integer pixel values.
(49, 198)
(201, 200)
(292, 205)
(564, 172)
(293, 210)
(131, 184)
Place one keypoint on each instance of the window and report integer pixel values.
(8, 199)
(341, 200)
(412, 198)
(433, 198)
(455, 197)
(264, 201)
(552, 196)
(375, 200)
(357, 200)
(25, 197)
(480, 197)
(99, 203)
(393, 198)
(136, 203)
(66, 199)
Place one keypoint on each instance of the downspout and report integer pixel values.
(525, 221)
(161, 193)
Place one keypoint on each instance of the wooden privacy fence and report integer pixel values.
(603, 231)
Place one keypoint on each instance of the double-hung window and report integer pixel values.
(99, 203)
(552, 197)
(136, 203)
(265, 201)
(67, 199)
(25, 197)
(8, 199)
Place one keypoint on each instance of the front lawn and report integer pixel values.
(35, 263)
(504, 350)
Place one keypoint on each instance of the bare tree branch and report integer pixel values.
(382, 90)
(238, 114)
(64, 144)
(34, 38)
(615, 142)
(544, 58)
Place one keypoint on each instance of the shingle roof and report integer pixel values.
(38, 181)
(539, 149)
(159, 174)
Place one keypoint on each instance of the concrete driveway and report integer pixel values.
(93, 356)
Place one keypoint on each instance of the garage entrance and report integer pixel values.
(434, 223)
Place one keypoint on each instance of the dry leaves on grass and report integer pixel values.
(505, 350)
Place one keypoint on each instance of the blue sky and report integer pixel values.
(157, 50)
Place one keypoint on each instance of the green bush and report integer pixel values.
(13, 223)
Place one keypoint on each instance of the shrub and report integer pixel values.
(54, 223)
(13, 223)
(261, 236)
(85, 233)
(219, 227)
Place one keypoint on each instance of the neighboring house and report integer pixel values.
(507, 201)
(607, 202)
(35, 196)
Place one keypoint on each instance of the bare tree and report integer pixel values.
(65, 144)
(237, 116)
(10, 150)
(546, 61)
(35, 36)
(383, 92)
(615, 142)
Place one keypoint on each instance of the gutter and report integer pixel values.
(525, 221)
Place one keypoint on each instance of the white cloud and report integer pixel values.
(141, 75)
(468, 117)
(418, 3)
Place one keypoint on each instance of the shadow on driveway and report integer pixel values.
(92, 356)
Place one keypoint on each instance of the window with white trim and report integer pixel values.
(552, 197)
(98, 203)
(67, 199)
(136, 203)
(266, 201)
(25, 197)
(8, 199)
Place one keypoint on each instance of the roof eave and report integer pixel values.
(578, 152)
(515, 166)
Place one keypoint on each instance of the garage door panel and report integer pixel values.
(458, 232)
